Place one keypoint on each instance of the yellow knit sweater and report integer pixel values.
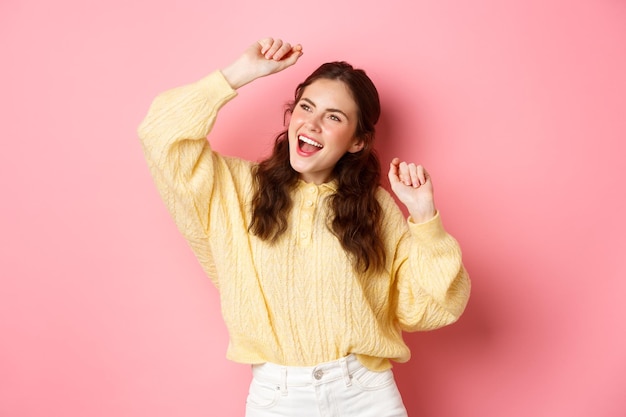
(299, 301)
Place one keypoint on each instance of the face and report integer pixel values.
(322, 129)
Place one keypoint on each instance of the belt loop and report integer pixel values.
(283, 380)
(345, 371)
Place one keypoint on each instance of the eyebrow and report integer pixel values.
(328, 110)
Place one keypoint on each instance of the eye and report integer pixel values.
(334, 117)
(305, 107)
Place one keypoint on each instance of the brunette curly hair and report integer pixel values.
(355, 211)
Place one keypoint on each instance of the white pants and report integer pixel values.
(342, 388)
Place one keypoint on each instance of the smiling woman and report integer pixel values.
(317, 268)
(322, 129)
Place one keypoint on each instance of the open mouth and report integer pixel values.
(308, 145)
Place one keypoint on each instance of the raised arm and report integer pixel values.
(264, 57)
(189, 175)
(175, 129)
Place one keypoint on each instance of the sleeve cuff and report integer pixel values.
(218, 85)
(428, 231)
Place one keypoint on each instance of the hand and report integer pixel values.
(412, 185)
(264, 57)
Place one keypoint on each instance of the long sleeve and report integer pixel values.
(432, 286)
(185, 170)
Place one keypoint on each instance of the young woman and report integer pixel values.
(317, 269)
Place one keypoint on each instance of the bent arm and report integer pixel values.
(174, 139)
(174, 131)
(432, 285)
(195, 182)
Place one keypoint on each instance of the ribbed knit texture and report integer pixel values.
(299, 301)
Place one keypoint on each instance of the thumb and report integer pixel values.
(294, 55)
(290, 58)
(394, 174)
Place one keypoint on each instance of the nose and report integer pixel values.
(313, 123)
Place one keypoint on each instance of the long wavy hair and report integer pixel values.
(355, 212)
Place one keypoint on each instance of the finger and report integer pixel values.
(405, 175)
(413, 173)
(294, 54)
(283, 51)
(421, 174)
(265, 43)
(276, 45)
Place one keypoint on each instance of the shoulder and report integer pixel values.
(239, 166)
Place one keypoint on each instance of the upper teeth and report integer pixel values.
(310, 141)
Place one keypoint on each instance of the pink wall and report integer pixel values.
(518, 108)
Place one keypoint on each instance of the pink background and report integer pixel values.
(518, 109)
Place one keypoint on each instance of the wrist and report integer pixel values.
(236, 76)
(423, 215)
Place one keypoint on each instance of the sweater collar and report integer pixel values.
(327, 186)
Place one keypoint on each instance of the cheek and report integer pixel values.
(341, 135)
(291, 132)
(293, 122)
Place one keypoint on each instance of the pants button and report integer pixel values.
(318, 374)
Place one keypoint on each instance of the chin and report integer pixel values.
(296, 169)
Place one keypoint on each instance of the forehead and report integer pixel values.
(330, 94)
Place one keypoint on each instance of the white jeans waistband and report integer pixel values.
(285, 376)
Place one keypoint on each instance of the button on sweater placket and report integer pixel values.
(307, 209)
